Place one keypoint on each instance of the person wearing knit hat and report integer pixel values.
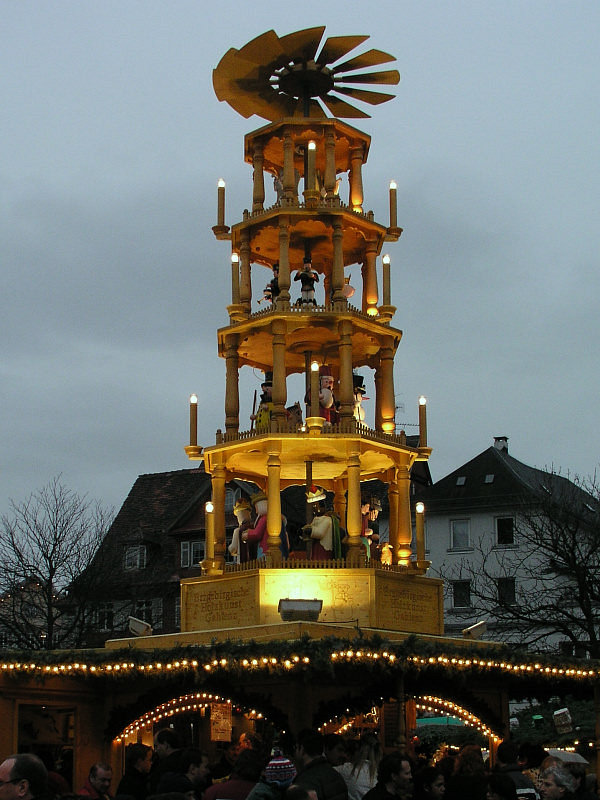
(277, 776)
(280, 771)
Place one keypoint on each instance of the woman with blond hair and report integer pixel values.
(360, 774)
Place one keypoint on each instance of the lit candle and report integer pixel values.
(386, 280)
(193, 420)
(210, 531)
(420, 530)
(235, 278)
(393, 205)
(314, 389)
(221, 202)
(422, 421)
(310, 170)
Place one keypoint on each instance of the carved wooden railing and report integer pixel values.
(350, 426)
(302, 563)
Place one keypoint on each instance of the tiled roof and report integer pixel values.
(158, 500)
(495, 478)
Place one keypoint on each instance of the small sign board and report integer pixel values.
(220, 722)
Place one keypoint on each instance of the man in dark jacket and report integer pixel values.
(506, 764)
(394, 779)
(314, 771)
(138, 762)
(167, 748)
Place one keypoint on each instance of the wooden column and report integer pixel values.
(393, 502)
(346, 396)
(356, 184)
(404, 518)
(370, 290)
(274, 508)
(289, 182)
(329, 177)
(258, 194)
(378, 396)
(218, 497)
(245, 282)
(337, 272)
(279, 391)
(283, 300)
(354, 519)
(232, 387)
(387, 400)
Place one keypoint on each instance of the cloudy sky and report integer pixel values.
(112, 284)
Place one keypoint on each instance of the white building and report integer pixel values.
(489, 537)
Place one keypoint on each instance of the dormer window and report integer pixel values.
(489, 478)
(231, 495)
(461, 480)
(135, 557)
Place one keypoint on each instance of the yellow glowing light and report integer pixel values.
(314, 365)
(386, 259)
(312, 145)
(235, 258)
(420, 507)
(221, 183)
(209, 507)
(393, 185)
(422, 401)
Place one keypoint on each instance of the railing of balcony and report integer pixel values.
(346, 427)
(300, 563)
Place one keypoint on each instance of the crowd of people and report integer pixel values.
(313, 767)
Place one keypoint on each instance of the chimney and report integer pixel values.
(501, 443)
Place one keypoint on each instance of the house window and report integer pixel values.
(192, 553)
(459, 534)
(178, 613)
(461, 594)
(579, 650)
(231, 495)
(461, 480)
(105, 616)
(505, 530)
(488, 478)
(135, 557)
(6, 640)
(507, 594)
(149, 611)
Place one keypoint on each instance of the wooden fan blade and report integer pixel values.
(369, 59)
(389, 76)
(374, 98)
(274, 106)
(262, 50)
(229, 70)
(315, 110)
(340, 108)
(337, 46)
(302, 45)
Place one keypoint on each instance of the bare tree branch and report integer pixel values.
(556, 566)
(47, 542)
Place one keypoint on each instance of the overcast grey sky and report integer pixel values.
(113, 285)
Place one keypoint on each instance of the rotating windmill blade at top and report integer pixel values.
(292, 76)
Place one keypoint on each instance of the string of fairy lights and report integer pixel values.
(291, 662)
(438, 705)
(194, 702)
(342, 724)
